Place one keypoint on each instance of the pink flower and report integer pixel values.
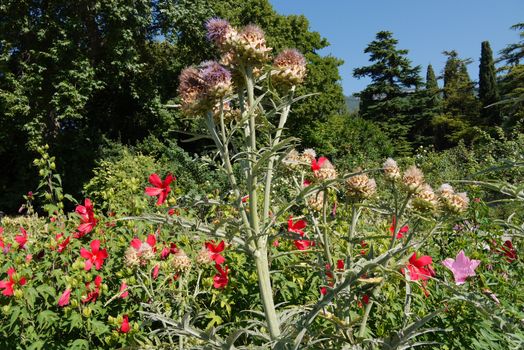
(215, 250)
(161, 188)
(87, 218)
(124, 293)
(462, 267)
(64, 298)
(22, 238)
(401, 231)
(95, 256)
(125, 327)
(220, 280)
(296, 227)
(8, 285)
(155, 272)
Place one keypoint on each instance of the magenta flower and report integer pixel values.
(462, 267)
(64, 298)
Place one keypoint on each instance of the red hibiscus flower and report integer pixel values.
(93, 293)
(125, 327)
(220, 280)
(64, 298)
(401, 231)
(509, 251)
(87, 218)
(296, 227)
(63, 244)
(340, 264)
(215, 250)
(302, 244)
(150, 240)
(9, 284)
(171, 249)
(22, 238)
(161, 188)
(420, 268)
(316, 165)
(95, 256)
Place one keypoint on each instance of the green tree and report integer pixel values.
(389, 98)
(488, 91)
(460, 106)
(431, 79)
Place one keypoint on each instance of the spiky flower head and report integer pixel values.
(181, 261)
(458, 203)
(204, 257)
(425, 199)
(413, 178)
(316, 200)
(360, 186)
(292, 159)
(391, 170)
(131, 257)
(192, 90)
(308, 155)
(220, 32)
(251, 44)
(326, 172)
(216, 78)
(289, 68)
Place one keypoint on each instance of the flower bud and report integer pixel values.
(181, 261)
(216, 78)
(360, 186)
(289, 68)
(425, 199)
(251, 45)
(391, 170)
(316, 201)
(413, 178)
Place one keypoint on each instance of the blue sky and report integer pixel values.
(424, 27)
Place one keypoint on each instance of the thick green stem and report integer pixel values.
(266, 293)
(327, 251)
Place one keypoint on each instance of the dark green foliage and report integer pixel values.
(350, 141)
(431, 79)
(389, 99)
(488, 92)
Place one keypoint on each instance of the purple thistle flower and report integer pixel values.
(213, 74)
(217, 30)
(462, 267)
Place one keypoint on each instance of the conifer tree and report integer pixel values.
(488, 92)
(431, 79)
(390, 98)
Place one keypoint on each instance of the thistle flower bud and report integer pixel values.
(446, 192)
(289, 68)
(413, 178)
(216, 78)
(292, 159)
(309, 154)
(181, 261)
(131, 257)
(316, 201)
(220, 32)
(251, 45)
(425, 199)
(192, 90)
(459, 203)
(391, 170)
(360, 186)
(203, 257)
(326, 172)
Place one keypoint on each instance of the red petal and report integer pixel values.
(84, 253)
(151, 240)
(136, 243)
(153, 191)
(220, 247)
(155, 180)
(169, 179)
(300, 224)
(423, 261)
(219, 259)
(95, 246)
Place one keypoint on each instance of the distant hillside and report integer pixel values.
(353, 103)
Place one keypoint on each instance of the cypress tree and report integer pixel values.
(488, 93)
(431, 79)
